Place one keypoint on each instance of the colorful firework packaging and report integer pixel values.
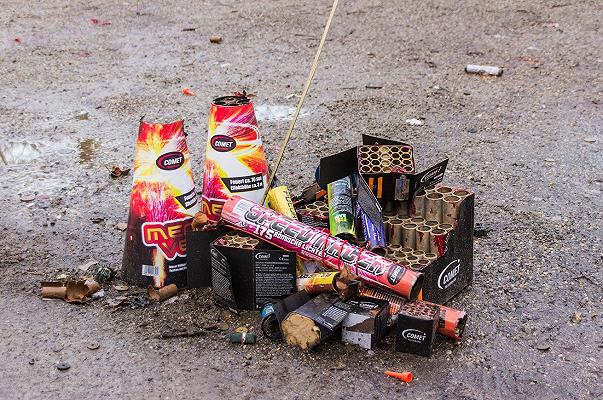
(162, 205)
(341, 209)
(235, 163)
(315, 244)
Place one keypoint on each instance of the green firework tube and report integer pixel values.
(341, 209)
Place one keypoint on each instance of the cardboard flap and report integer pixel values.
(223, 293)
(429, 177)
(368, 140)
(338, 166)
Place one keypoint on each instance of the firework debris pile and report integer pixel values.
(372, 247)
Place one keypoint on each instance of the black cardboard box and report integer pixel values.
(366, 322)
(416, 328)
(248, 278)
(198, 260)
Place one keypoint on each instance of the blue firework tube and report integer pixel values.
(341, 209)
(373, 235)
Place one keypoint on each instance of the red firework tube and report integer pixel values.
(316, 244)
(162, 206)
(451, 323)
(235, 162)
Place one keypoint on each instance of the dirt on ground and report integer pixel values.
(77, 76)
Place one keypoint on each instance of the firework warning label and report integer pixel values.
(188, 199)
(244, 183)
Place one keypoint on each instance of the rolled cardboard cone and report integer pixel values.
(162, 294)
(395, 236)
(417, 206)
(450, 211)
(422, 241)
(53, 290)
(433, 207)
(438, 241)
(408, 235)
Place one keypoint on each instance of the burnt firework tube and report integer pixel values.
(235, 163)
(318, 245)
(162, 205)
(341, 209)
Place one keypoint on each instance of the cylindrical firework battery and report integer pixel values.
(162, 205)
(438, 241)
(315, 244)
(417, 207)
(422, 241)
(235, 162)
(408, 235)
(450, 211)
(243, 338)
(341, 209)
(318, 283)
(433, 207)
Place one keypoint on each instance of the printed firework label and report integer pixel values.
(235, 162)
(162, 204)
(315, 244)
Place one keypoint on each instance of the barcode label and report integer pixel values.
(150, 270)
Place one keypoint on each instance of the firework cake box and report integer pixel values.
(395, 183)
(248, 273)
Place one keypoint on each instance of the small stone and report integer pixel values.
(543, 346)
(93, 346)
(215, 39)
(576, 317)
(27, 197)
(248, 356)
(121, 288)
(472, 130)
(82, 116)
(63, 366)
(448, 352)
(121, 226)
(241, 329)
(32, 361)
(415, 122)
(590, 140)
(223, 326)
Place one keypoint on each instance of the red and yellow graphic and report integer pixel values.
(162, 205)
(235, 162)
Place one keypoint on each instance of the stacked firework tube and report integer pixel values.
(235, 163)
(316, 244)
(162, 205)
(386, 159)
(238, 240)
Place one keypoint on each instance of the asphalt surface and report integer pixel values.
(528, 142)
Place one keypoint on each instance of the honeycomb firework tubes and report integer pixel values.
(235, 162)
(316, 244)
(162, 205)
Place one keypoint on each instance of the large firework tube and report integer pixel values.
(279, 199)
(417, 207)
(235, 163)
(319, 282)
(315, 244)
(341, 209)
(452, 321)
(450, 209)
(162, 206)
(422, 239)
(433, 207)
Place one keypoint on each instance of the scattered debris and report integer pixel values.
(162, 294)
(483, 70)
(189, 29)
(103, 273)
(415, 122)
(241, 329)
(63, 366)
(243, 338)
(19, 152)
(116, 172)
(93, 346)
(98, 295)
(121, 288)
(590, 140)
(551, 24)
(100, 22)
(543, 346)
(121, 226)
(27, 197)
(215, 39)
(472, 130)
(17, 40)
(181, 333)
(373, 87)
(481, 230)
(97, 220)
(84, 267)
(576, 317)
(188, 92)
(223, 326)
(82, 116)
(405, 376)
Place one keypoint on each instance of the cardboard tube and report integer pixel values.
(420, 254)
(395, 236)
(450, 211)
(430, 256)
(417, 207)
(438, 241)
(462, 193)
(408, 235)
(389, 207)
(53, 290)
(430, 189)
(419, 221)
(445, 226)
(401, 209)
(445, 190)
(433, 207)
(412, 259)
(162, 294)
(406, 250)
(422, 241)
(432, 224)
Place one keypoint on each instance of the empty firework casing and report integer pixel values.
(430, 256)
(312, 243)
(273, 314)
(395, 236)
(445, 226)
(162, 294)
(418, 266)
(401, 209)
(315, 321)
(450, 210)
(438, 241)
(432, 224)
(235, 162)
(444, 190)
(433, 207)
(366, 322)
(162, 205)
(243, 337)
(409, 235)
(430, 189)
(462, 193)
(320, 282)
(451, 322)
(419, 253)
(416, 328)
(418, 220)
(389, 208)
(412, 259)
(406, 250)
(417, 207)
(422, 241)
(341, 209)
(483, 70)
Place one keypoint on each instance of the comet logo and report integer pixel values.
(222, 143)
(167, 237)
(449, 274)
(262, 256)
(170, 161)
(414, 335)
(430, 175)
